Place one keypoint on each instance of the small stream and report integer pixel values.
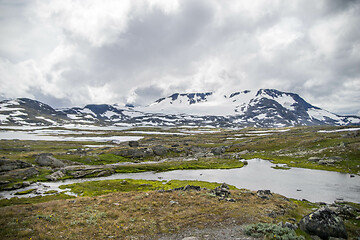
(299, 183)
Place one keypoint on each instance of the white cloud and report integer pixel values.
(85, 51)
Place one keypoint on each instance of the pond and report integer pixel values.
(299, 183)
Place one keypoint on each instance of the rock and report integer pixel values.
(218, 150)
(191, 187)
(352, 175)
(314, 159)
(134, 144)
(222, 191)
(46, 159)
(323, 223)
(244, 152)
(8, 165)
(190, 238)
(172, 202)
(55, 176)
(160, 150)
(94, 172)
(22, 173)
(264, 194)
(344, 211)
(327, 162)
(292, 226)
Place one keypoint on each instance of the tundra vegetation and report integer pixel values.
(141, 209)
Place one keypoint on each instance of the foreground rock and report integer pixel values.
(323, 223)
(48, 160)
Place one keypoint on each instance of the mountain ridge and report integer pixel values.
(262, 108)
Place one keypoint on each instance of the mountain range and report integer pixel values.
(262, 108)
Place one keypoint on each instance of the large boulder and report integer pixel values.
(323, 223)
(48, 160)
(8, 165)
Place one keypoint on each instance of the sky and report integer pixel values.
(76, 52)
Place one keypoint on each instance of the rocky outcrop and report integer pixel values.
(22, 173)
(323, 223)
(88, 171)
(55, 176)
(48, 160)
(160, 150)
(9, 165)
(218, 150)
(222, 191)
(264, 194)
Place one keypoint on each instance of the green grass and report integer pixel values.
(25, 192)
(33, 200)
(95, 188)
(101, 159)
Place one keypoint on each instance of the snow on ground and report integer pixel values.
(17, 113)
(339, 130)
(109, 114)
(160, 133)
(3, 118)
(132, 113)
(320, 114)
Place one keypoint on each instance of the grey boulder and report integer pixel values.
(323, 223)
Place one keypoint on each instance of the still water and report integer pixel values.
(313, 185)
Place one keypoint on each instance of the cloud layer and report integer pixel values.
(73, 52)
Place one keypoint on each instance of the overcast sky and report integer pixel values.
(74, 52)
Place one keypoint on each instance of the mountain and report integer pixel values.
(262, 108)
(25, 111)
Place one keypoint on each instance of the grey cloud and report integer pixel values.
(160, 53)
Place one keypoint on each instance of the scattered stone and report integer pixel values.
(192, 187)
(46, 159)
(264, 194)
(323, 223)
(55, 176)
(8, 165)
(134, 144)
(222, 191)
(190, 238)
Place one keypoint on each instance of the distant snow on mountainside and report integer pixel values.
(262, 108)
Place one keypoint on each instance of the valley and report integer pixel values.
(118, 207)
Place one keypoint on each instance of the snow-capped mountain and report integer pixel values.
(25, 111)
(262, 108)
